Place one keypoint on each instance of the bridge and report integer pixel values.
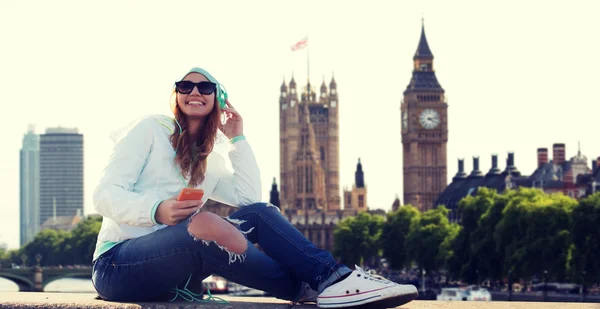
(35, 279)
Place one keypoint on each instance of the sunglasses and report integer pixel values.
(186, 87)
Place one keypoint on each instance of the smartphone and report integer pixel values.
(187, 194)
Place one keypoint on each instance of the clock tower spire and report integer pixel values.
(424, 132)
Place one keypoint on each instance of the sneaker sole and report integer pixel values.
(391, 302)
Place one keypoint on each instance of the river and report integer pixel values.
(71, 285)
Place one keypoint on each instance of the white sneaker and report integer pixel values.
(361, 288)
(310, 295)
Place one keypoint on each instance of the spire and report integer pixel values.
(292, 82)
(332, 84)
(359, 177)
(423, 77)
(423, 50)
(274, 194)
(396, 203)
(323, 86)
(283, 85)
(308, 146)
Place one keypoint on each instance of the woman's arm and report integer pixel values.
(114, 197)
(243, 187)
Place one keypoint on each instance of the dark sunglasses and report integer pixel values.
(186, 87)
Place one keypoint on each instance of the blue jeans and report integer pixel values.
(147, 267)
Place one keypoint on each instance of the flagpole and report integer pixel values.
(307, 60)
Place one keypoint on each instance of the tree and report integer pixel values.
(484, 247)
(462, 262)
(357, 239)
(65, 248)
(82, 242)
(427, 233)
(535, 232)
(394, 234)
(584, 254)
(48, 243)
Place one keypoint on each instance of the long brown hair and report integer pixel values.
(191, 157)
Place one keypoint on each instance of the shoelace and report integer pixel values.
(376, 279)
(190, 296)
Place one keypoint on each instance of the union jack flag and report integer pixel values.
(300, 44)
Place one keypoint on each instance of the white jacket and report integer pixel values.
(141, 172)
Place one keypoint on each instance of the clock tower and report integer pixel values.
(424, 116)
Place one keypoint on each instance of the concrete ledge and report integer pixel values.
(85, 300)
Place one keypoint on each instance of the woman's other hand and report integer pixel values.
(234, 125)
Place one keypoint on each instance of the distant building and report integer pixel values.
(63, 223)
(396, 203)
(573, 178)
(61, 173)
(318, 225)
(592, 179)
(559, 174)
(357, 197)
(29, 186)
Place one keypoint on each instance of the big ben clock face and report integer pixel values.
(429, 119)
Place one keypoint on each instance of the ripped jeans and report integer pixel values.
(149, 267)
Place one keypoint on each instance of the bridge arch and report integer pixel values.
(79, 275)
(24, 283)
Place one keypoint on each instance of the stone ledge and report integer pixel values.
(89, 301)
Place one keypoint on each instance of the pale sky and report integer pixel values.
(518, 75)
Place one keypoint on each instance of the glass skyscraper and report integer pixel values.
(29, 186)
(61, 173)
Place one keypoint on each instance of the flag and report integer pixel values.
(301, 44)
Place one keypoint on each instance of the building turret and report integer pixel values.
(359, 177)
(274, 198)
(283, 86)
(396, 204)
(332, 83)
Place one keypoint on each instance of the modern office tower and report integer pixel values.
(29, 223)
(61, 174)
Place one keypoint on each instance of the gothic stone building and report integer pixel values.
(424, 112)
(309, 163)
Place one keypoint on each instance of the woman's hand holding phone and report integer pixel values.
(172, 211)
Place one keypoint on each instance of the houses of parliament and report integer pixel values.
(309, 151)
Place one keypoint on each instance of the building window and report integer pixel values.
(299, 179)
(309, 179)
(423, 67)
(322, 153)
(361, 201)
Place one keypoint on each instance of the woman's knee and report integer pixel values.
(210, 227)
(205, 226)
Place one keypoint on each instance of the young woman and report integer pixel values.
(150, 243)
